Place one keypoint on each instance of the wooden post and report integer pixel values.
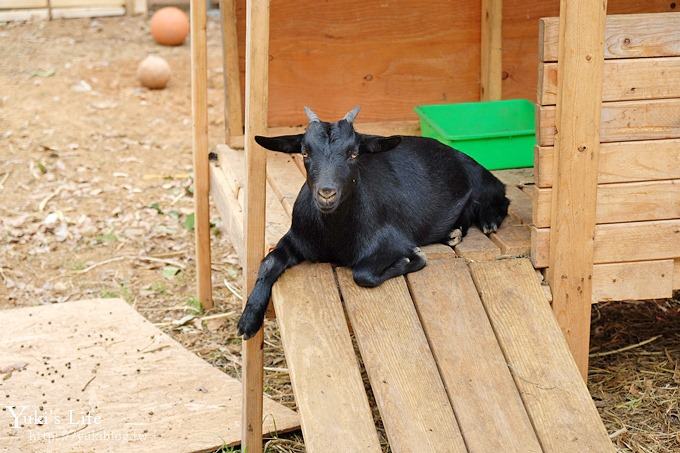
(233, 109)
(577, 143)
(199, 107)
(492, 42)
(257, 62)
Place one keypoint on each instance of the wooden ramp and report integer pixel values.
(464, 355)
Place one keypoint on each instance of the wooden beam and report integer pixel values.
(257, 61)
(626, 36)
(476, 246)
(622, 121)
(233, 108)
(199, 104)
(627, 80)
(581, 50)
(645, 160)
(676, 274)
(621, 202)
(492, 50)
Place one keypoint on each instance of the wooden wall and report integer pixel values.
(392, 55)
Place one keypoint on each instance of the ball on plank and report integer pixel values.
(154, 72)
(169, 26)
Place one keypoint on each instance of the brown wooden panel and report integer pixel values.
(623, 121)
(676, 274)
(626, 36)
(616, 242)
(645, 160)
(634, 280)
(476, 246)
(626, 80)
(621, 202)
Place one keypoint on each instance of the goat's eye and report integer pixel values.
(354, 154)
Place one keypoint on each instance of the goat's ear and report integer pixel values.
(375, 144)
(283, 144)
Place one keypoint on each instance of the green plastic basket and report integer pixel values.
(497, 134)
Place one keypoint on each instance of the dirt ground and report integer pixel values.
(95, 201)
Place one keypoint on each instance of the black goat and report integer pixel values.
(370, 201)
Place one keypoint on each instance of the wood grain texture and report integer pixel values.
(476, 246)
(285, 178)
(520, 204)
(623, 121)
(633, 281)
(491, 69)
(483, 394)
(513, 240)
(228, 208)
(17, 4)
(676, 274)
(233, 104)
(199, 112)
(438, 252)
(621, 162)
(626, 80)
(577, 117)
(103, 358)
(621, 202)
(329, 391)
(626, 36)
(412, 400)
(554, 394)
(617, 242)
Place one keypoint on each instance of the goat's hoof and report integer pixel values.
(419, 252)
(455, 237)
(249, 324)
(489, 228)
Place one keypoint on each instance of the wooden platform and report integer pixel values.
(96, 376)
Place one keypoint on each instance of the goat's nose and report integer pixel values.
(327, 193)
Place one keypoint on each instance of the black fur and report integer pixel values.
(370, 201)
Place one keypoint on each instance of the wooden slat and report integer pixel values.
(636, 280)
(627, 80)
(626, 36)
(621, 202)
(438, 252)
(477, 247)
(520, 204)
(21, 4)
(285, 178)
(555, 396)
(329, 391)
(623, 121)
(491, 50)
(233, 164)
(513, 240)
(412, 400)
(233, 105)
(676, 274)
(616, 242)
(458, 329)
(228, 207)
(621, 162)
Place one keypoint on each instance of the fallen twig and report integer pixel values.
(625, 348)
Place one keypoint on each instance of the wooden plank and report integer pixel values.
(329, 391)
(412, 400)
(627, 80)
(513, 240)
(676, 274)
(616, 242)
(520, 204)
(635, 280)
(233, 106)
(556, 398)
(23, 4)
(228, 207)
(24, 15)
(622, 162)
(491, 50)
(626, 36)
(256, 97)
(233, 164)
(438, 252)
(91, 357)
(199, 110)
(623, 121)
(582, 24)
(477, 247)
(458, 329)
(621, 202)
(76, 13)
(285, 178)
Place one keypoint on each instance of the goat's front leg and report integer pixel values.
(284, 255)
(377, 268)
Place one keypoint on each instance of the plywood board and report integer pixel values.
(324, 371)
(635, 280)
(645, 160)
(484, 397)
(623, 121)
(409, 392)
(621, 202)
(554, 394)
(106, 379)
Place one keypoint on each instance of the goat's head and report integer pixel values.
(332, 153)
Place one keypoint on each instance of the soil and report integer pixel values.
(95, 201)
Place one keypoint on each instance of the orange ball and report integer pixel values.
(169, 26)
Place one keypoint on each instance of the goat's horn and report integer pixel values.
(352, 114)
(311, 115)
